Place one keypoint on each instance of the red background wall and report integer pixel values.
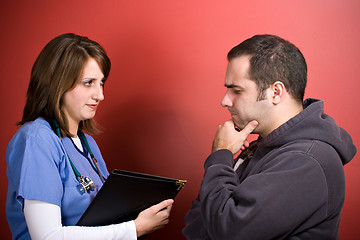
(162, 101)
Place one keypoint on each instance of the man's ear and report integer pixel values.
(277, 91)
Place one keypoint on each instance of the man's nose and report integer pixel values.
(226, 102)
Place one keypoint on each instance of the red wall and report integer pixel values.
(162, 101)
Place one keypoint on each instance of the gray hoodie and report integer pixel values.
(290, 186)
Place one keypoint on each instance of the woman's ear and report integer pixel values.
(277, 90)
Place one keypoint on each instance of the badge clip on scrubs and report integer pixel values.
(85, 183)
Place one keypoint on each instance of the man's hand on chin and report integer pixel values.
(228, 137)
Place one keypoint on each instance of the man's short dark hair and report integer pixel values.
(274, 59)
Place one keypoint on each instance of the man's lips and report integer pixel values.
(232, 113)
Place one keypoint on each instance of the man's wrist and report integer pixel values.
(221, 156)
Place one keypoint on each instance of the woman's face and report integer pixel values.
(81, 102)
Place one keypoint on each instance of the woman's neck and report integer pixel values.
(73, 129)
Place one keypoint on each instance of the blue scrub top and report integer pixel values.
(38, 169)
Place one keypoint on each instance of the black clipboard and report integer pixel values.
(125, 194)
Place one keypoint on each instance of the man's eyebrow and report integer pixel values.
(232, 86)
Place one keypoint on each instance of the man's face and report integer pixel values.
(242, 94)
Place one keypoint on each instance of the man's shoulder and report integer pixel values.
(315, 153)
(311, 148)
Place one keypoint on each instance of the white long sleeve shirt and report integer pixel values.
(44, 222)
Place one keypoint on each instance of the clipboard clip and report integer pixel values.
(181, 184)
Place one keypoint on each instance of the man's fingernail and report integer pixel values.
(254, 123)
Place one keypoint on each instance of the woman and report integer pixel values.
(54, 169)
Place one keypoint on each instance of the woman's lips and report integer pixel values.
(92, 106)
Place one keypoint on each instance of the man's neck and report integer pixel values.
(283, 113)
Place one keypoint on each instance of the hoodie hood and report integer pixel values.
(313, 124)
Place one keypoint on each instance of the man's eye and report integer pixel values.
(236, 91)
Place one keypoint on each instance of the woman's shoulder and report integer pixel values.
(91, 141)
(38, 130)
(34, 139)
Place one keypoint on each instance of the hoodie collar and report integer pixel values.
(311, 124)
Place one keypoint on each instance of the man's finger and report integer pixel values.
(249, 128)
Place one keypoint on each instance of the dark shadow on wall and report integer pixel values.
(151, 141)
(144, 130)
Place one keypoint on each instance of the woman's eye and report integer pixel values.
(87, 82)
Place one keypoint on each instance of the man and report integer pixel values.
(289, 184)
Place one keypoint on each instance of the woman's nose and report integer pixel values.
(99, 93)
